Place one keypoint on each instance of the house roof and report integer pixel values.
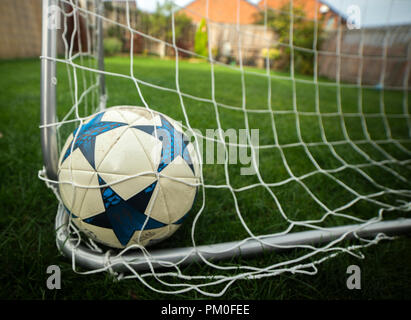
(223, 11)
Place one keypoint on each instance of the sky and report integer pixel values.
(150, 5)
(372, 12)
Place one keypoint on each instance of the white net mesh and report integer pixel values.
(330, 152)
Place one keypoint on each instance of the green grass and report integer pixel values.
(28, 207)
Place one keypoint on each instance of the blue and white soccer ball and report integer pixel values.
(128, 177)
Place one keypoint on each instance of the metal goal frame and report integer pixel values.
(91, 259)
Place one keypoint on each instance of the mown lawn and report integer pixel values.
(28, 207)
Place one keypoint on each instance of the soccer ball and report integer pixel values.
(128, 176)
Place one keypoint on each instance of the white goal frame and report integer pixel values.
(94, 260)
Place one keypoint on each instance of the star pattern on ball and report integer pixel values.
(86, 138)
(124, 217)
(174, 143)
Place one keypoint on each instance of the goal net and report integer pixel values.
(303, 131)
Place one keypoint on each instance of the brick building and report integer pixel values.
(222, 11)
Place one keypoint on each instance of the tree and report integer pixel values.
(303, 32)
(160, 23)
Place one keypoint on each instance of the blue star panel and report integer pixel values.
(174, 143)
(86, 139)
(124, 217)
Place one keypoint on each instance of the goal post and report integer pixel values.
(48, 91)
(315, 238)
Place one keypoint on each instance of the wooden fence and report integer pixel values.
(20, 28)
(372, 56)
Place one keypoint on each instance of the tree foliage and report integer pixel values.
(160, 23)
(293, 32)
(157, 24)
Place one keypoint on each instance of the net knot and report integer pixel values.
(108, 264)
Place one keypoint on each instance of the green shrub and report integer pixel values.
(112, 46)
(201, 39)
(273, 53)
